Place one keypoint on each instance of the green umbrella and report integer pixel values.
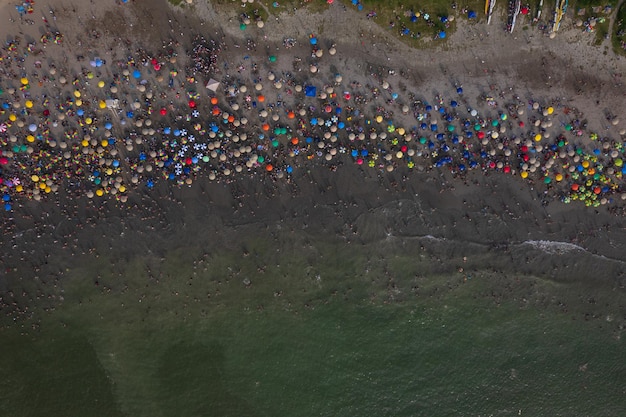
(272, 58)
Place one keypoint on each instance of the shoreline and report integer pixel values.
(487, 203)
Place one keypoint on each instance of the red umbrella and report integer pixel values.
(163, 111)
(192, 104)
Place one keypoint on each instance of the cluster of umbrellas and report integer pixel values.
(108, 132)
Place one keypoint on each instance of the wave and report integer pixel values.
(554, 247)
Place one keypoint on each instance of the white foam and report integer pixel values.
(553, 247)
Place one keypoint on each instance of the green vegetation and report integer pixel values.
(619, 31)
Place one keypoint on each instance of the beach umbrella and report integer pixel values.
(136, 74)
(442, 35)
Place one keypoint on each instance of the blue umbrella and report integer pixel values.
(442, 34)
(136, 74)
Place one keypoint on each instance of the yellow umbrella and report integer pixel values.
(88, 120)
(35, 178)
(30, 138)
(99, 192)
(24, 81)
(104, 143)
(101, 84)
(78, 102)
(550, 110)
(102, 104)
(28, 104)
(524, 174)
(76, 93)
(537, 137)
(12, 117)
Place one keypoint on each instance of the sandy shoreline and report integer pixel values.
(497, 212)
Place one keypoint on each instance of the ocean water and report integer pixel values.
(342, 307)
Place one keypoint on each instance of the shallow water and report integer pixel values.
(369, 301)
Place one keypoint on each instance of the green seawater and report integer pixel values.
(310, 328)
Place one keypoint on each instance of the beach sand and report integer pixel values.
(337, 288)
(495, 212)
